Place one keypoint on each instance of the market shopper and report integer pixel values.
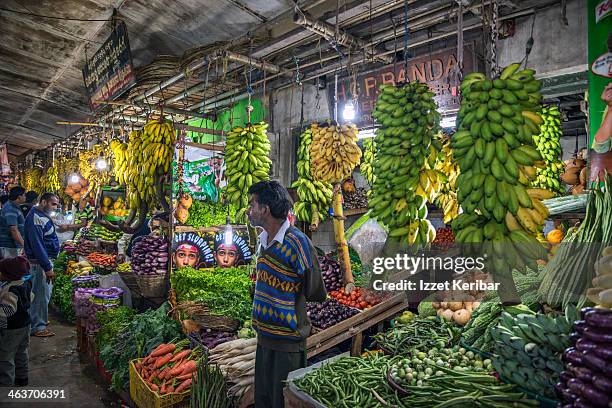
(30, 201)
(11, 223)
(288, 275)
(41, 246)
(15, 300)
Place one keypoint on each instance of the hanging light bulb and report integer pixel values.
(228, 235)
(349, 111)
(101, 164)
(74, 178)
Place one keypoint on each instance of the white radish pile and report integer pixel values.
(236, 359)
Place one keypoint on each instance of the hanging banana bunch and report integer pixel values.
(367, 164)
(315, 196)
(446, 165)
(50, 181)
(547, 143)
(33, 180)
(87, 166)
(246, 163)
(334, 152)
(120, 157)
(405, 178)
(497, 157)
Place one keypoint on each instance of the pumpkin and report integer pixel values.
(555, 236)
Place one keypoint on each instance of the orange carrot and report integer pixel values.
(170, 389)
(184, 385)
(184, 377)
(163, 388)
(163, 361)
(180, 355)
(163, 349)
(153, 387)
(190, 367)
(177, 370)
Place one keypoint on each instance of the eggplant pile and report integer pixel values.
(150, 255)
(587, 378)
(332, 275)
(210, 339)
(329, 313)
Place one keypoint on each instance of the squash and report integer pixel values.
(462, 316)
(555, 236)
(447, 314)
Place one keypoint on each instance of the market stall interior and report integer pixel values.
(439, 156)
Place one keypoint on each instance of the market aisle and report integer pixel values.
(55, 363)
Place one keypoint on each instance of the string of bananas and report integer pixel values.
(246, 163)
(50, 181)
(87, 167)
(403, 166)
(315, 197)
(497, 158)
(446, 165)
(334, 152)
(32, 180)
(120, 157)
(367, 163)
(547, 143)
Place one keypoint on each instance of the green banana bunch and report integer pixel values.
(404, 147)
(98, 231)
(497, 157)
(315, 196)
(246, 163)
(547, 142)
(367, 163)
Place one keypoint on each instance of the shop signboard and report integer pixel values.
(600, 75)
(435, 69)
(109, 72)
(211, 249)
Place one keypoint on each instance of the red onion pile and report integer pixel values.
(150, 255)
(332, 275)
(329, 313)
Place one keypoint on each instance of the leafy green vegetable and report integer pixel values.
(112, 321)
(203, 214)
(226, 292)
(145, 332)
(61, 263)
(62, 296)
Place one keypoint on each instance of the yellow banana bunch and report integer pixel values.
(449, 168)
(120, 156)
(405, 177)
(246, 163)
(367, 164)
(334, 152)
(87, 167)
(32, 180)
(50, 181)
(315, 196)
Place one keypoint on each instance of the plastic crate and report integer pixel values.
(145, 397)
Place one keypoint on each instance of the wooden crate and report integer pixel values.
(144, 397)
(353, 327)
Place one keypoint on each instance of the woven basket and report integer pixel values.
(200, 314)
(152, 286)
(130, 279)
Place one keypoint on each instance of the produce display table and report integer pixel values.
(353, 327)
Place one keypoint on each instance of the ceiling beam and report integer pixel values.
(72, 108)
(248, 10)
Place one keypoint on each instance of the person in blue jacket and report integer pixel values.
(41, 247)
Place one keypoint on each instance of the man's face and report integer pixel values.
(186, 256)
(49, 205)
(226, 255)
(20, 199)
(256, 213)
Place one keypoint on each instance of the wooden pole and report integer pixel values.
(343, 251)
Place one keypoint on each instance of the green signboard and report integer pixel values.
(600, 67)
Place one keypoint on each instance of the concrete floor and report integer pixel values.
(55, 363)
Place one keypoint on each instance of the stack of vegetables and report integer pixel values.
(570, 272)
(329, 313)
(150, 255)
(236, 359)
(210, 339)
(99, 231)
(358, 298)
(586, 380)
(169, 369)
(112, 322)
(418, 333)
(477, 332)
(528, 349)
(79, 268)
(209, 388)
(140, 337)
(601, 291)
(204, 214)
(332, 275)
(102, 260)
(225, 292)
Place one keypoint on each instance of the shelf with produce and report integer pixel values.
(215, 229)
(353, 327)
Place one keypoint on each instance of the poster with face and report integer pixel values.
(206, 250)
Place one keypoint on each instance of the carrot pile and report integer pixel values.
(170, 367)
(100, 259)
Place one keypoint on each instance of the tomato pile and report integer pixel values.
(359, 299)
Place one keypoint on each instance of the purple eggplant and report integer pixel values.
(565, 376)
(599, 336)
(579, 326)
(574, 337)
(604, 350)
(603, 383)
(585, 344)
(591, 395)
(568, 396)
(571, 355)
(582, 403)
(596, 363)
(585, 310)
(581, 373)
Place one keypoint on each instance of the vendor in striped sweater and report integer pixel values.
(288, 275)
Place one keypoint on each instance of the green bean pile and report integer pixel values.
(420, 333)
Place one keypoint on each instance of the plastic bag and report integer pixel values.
(368, 241)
